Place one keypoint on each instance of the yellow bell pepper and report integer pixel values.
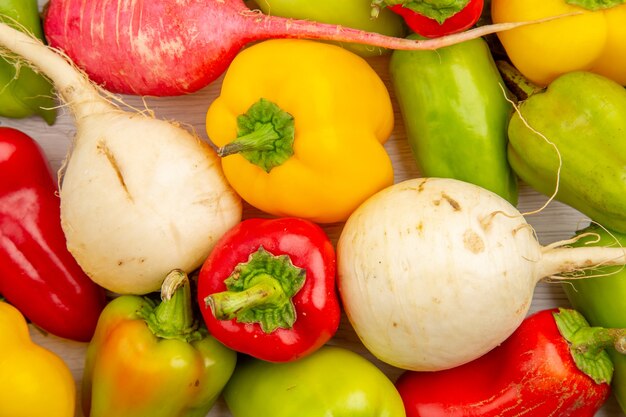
(592, 41)
(300, 126)
(34, 381)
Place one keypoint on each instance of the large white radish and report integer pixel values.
(434, 273)
(139, 196)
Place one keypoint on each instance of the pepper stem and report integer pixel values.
(592, 340)
(173, 317)
(260, 291)
(588, 344)
(227, 304)
(519, 85)
(265, 136)
(258, 140)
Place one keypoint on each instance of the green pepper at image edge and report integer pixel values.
(602, 298)
(24, 92)
(355, 14)
(571, 133)
(332, 381)
(455, 110)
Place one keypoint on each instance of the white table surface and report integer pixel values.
(555, 222)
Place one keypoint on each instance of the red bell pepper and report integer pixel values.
(426, 19)
(268, 289)
(554, 364)
(38, 275)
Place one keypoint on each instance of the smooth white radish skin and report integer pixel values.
(434, 273)
(139, 196)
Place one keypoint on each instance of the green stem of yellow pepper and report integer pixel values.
(261, 139)
(265, 136)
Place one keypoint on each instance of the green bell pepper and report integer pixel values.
(150, 359)
(601, 299)
(577, 124)
(23, 92)
(355, 14)
(332, 381)
(455, 111)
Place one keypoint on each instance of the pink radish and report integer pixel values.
(172, 47)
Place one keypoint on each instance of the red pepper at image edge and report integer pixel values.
(431, 28)
(268, 289)
(38, 275)
(553, 364)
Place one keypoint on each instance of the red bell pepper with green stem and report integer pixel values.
(268, 289)
(433, 19)
(554, 364)
(38, 275)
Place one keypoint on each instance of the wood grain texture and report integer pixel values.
(553, 223)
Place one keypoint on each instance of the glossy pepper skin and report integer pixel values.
(24, 92)
(300, 126)
(593, 41)
(455, 111)
(533, 373)
(601, 299)
(34, 381)
(150, 359)
(37, 273)
(577, 124)
(348, 13)
(433, 19)
(330, 382)
(268, 289)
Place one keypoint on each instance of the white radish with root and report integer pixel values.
(139, 196)
(434, 273)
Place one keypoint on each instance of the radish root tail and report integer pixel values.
(549, 142)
